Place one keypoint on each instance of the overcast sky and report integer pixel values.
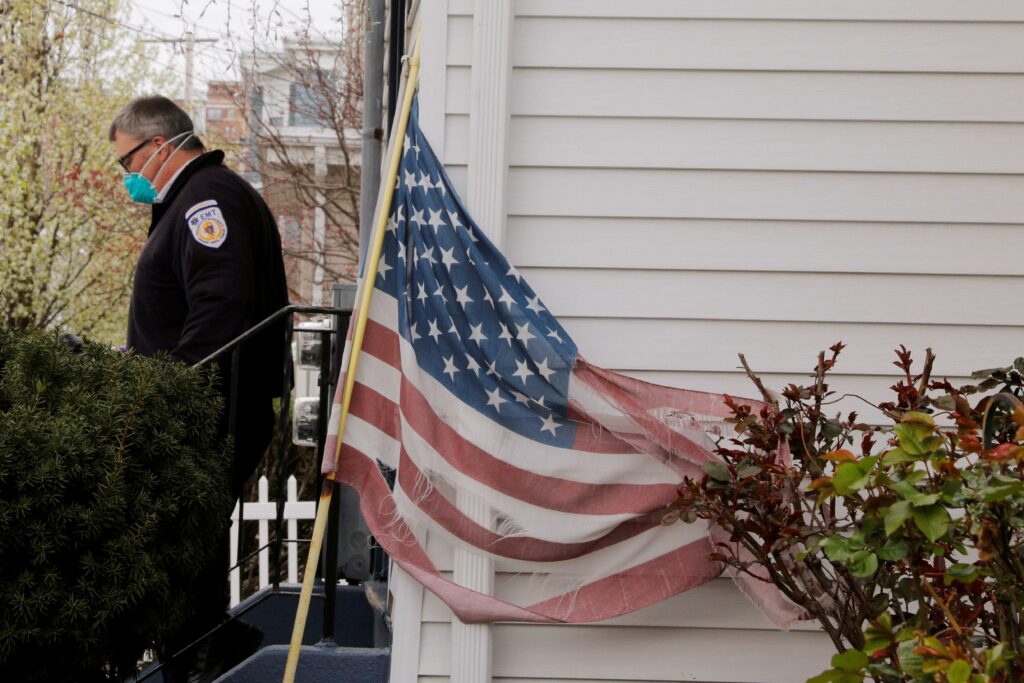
(235, 25)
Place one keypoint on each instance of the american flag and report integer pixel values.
(471, 390)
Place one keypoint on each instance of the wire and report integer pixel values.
(231, 62)
(307, 20)
(109, 20)
(145, 8)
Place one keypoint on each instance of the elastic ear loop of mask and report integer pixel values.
(188, 133)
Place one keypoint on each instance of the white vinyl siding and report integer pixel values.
(692, 179)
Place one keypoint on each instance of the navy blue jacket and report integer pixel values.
(210, 269)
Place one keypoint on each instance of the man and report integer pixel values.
(211, 268)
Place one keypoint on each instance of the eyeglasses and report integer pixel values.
(127, 157)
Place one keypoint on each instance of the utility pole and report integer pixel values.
(189, 41)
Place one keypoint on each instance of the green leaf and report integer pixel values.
(988, 372)
(862, 564)
(849, 478)
(904, 634)
(958, 672)
(932, 520)
(851, 661)
(825, 677)
(919, 418)
(876, 642)
(718, 471)
(837, 549)
(964, 573)
(870, 526)
(951, 488)
(748, 471)
(994, 494)
(894, 550)
(911, 662)
(915, 477)
(923, 499)
(910, 437)
(896, 456)
(850, 678)
(894, 518)
(907, 491)
(830, 429)
(994, 659)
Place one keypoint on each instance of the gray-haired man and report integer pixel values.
(210, 269)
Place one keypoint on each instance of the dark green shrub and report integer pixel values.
(112, 494)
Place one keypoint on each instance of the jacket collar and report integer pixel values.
(214, 158)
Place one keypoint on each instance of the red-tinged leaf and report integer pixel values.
(1002, 452)
(1018, 415)
(962, 406)
(841, 455)
(970, 443)
(965, 423)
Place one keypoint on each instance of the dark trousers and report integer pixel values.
(252, 434)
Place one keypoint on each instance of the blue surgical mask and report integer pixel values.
(139, 187)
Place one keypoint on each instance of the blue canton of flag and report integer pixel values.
(474, 322)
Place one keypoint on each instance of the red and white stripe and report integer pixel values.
(589, 515)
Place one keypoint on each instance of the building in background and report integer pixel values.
(302, 111)
(224, 125)
(223, 118)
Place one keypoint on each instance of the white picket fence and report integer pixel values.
(263, 511)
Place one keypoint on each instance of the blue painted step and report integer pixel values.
(361, 651)
(317, 664)
(274, 614)
(355, 656)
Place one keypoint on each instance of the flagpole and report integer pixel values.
(411, 69)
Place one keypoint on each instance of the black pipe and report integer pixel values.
(330, 565)
(396, 50)
(232, 425)
(283, 427)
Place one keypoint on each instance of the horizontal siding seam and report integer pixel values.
(683, 69)
(733, 169)
(838, 222)
(767, 271)
(745, 219)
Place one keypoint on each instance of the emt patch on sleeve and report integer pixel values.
(207, 223)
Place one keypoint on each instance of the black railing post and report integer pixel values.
(232, 425)
(331, 556)
(283, 424)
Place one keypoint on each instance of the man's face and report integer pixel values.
(133, 152)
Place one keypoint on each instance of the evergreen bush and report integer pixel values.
(113, 491)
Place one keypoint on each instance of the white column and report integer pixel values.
(471, 643)
(319, 226)
(488, 116)
(485, 194)
(433, 17)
